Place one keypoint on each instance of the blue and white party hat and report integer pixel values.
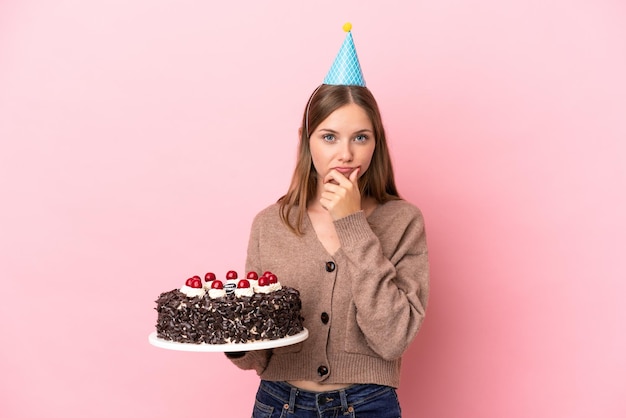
(346, 70)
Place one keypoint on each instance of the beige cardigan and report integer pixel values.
(362, 305)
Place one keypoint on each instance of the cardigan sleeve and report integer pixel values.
(389, 286)
(256, 360)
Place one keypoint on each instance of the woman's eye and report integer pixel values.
(360, 138)
(328, 137)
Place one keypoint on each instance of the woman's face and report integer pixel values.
(343, 141)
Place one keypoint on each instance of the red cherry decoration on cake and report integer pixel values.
(209, 277)
(217, 284)
(272, 278)
(231, 275)
(196, 283)
(267, 273)
(190, 281)
(264, 281)
(243, 283)
(252, 275)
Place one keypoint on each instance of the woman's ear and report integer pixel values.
(299, 133)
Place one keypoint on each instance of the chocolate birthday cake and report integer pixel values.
(237, 311)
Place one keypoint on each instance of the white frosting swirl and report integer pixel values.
(244, 291)
(217, 293)
(267, 289)
(275, 286)
(192, 292)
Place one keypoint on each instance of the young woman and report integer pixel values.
(357, 253)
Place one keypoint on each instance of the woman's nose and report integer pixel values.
(346, 153)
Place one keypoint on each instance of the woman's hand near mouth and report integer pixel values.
(340, 194)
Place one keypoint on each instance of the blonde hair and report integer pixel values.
(377, 182)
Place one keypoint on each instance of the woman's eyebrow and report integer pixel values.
(332, 131)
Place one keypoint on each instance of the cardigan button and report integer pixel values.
(324, 317)
(322, 370)
(330, 266)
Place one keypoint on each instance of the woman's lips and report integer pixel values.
(345, 170)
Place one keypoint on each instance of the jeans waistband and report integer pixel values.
(344, 398)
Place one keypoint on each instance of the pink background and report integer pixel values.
(139, 138)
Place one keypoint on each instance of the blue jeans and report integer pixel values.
(282, 400)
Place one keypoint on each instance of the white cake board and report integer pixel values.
(230, 347)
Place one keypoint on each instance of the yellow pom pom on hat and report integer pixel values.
(346, 70)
